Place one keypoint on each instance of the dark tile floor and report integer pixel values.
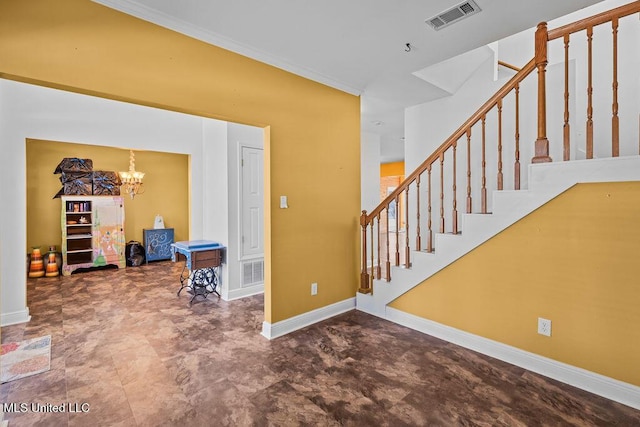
(124, 343)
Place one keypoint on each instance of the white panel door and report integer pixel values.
(252, 203)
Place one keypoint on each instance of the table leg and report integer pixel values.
(185, 275)
(203, 282)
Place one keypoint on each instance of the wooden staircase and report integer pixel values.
(547, 181)
(442, 210)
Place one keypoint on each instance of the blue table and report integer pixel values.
(200, 273)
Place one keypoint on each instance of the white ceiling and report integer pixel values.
(358, 46)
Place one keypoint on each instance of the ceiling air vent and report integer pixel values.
(454, 14)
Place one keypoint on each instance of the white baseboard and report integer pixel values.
(286, 326)
(243, 292)
(610, 388)
(15, 317)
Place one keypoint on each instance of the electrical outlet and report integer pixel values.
(544, 327)
(314, 289)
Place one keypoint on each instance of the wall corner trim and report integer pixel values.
(278, 329)
(610, 388)
(15, 317)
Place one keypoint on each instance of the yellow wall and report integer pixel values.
(391, 176)
(573, 261)
(82, 46)
(165, 194)
(392, 169)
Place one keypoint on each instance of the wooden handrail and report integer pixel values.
(595, 20)
(487, 106)
(507, 65)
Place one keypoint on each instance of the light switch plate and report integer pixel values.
(283, 202)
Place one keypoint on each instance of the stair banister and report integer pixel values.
(541, 145)
(588, 25)
(367, 218)
(461, 131)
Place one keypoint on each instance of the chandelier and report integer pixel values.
(132, 179)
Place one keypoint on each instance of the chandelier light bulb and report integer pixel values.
(132, 179)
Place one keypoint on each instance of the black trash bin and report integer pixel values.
(134, 253)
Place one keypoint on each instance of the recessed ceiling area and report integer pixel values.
(358, 46)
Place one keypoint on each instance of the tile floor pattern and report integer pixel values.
(124, 343)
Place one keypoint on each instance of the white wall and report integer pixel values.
(215, 193)
(428, 125)
(370, 170)
(28, 111)
(238, 136)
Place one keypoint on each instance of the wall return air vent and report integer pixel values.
(455, 14)
(252, 272)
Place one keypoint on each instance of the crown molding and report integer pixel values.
(162, 19)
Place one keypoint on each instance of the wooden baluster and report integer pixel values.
(388, 264)
(442, 192)
(397, 201)
(516, 166)
(483, 191)
(418, 242)
(589, 92)
(429, 228)
(615, 124)
(364, 275)
(407, 250)
(500, 178)
(372, 275)
(469, 170)
(454, 219)
(542, 143)
(378, 272)
(566, 151)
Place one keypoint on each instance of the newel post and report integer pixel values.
(364, 275)
(542, 143)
